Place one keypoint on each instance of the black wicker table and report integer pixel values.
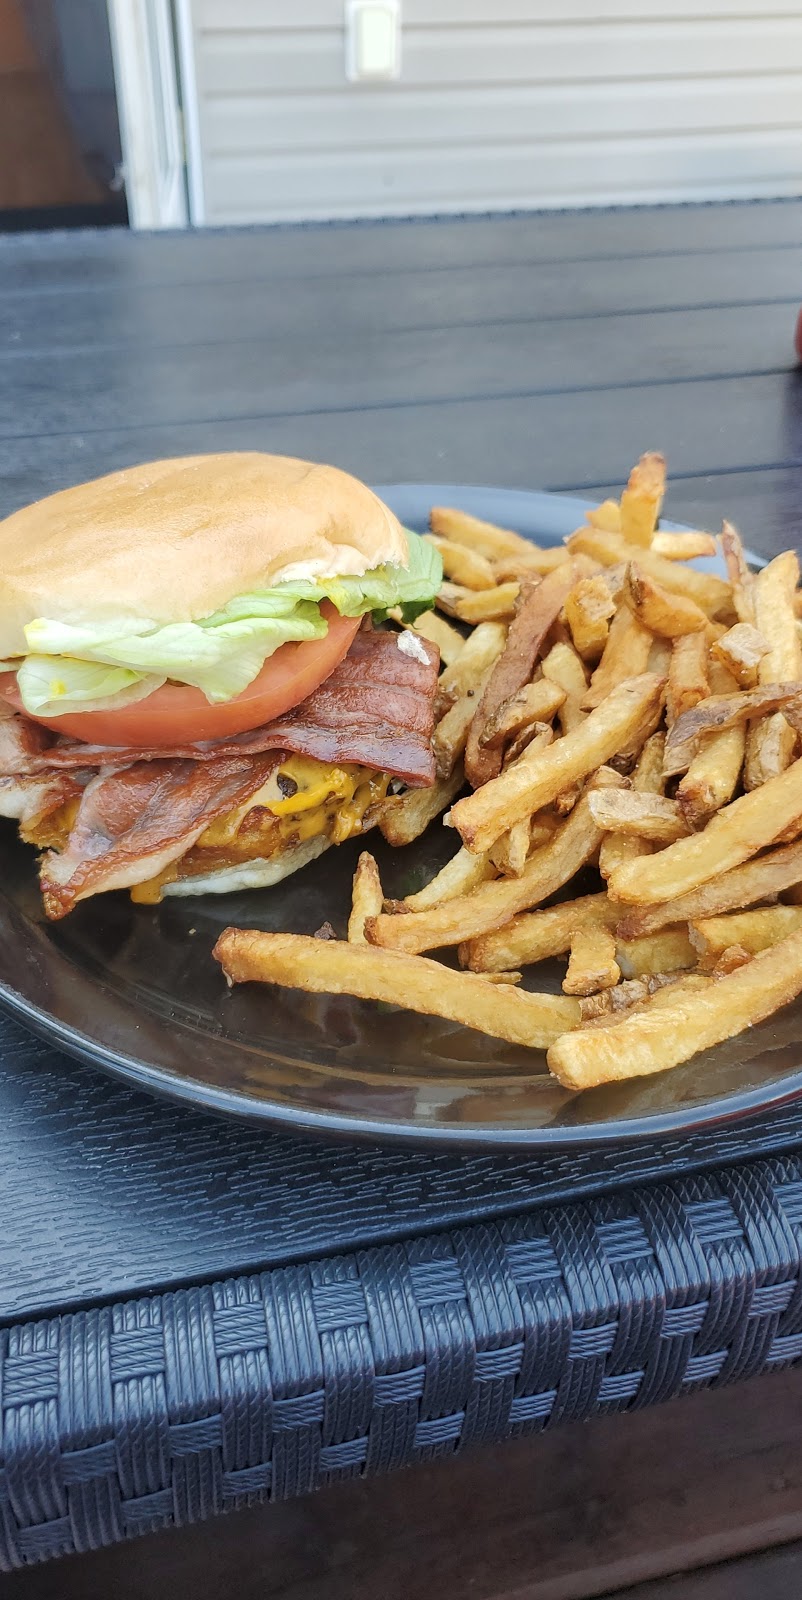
(196, 1314)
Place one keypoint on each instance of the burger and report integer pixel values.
(196, 692)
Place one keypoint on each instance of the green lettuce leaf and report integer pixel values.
(52, 685)
(220, 654)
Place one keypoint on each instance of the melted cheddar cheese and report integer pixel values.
(301, 800)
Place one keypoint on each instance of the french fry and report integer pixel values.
(463, 565)
(449, 642)
(563, 667)
(741, 650)
(404, 817)
(485, 537)
(711, 593)
(591, 965)
(479, 651)
(715, 714)
(537, 935)
(626, 655)
(741, 579)
(712, 776)
(734, 834)
(524, 738)
(642, 498)
(451, 731)
(509, 853)
(647, 778)
(478, 605)
(771, 743)
(688, 681)
(541, 828)
(606, 516)
(460, 875)
(751, 930)
(538, 608)
(588, 609)
(537, 562)
(670, 615)
(530, 785)
(648, 816)
(366, 897)
(323, 966)
(775, 873)
(683, 546)
(535, 702)
(669, 950)
(730, 959)
(652, 1040)
(492, 904)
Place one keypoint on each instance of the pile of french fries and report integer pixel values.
(608, 707)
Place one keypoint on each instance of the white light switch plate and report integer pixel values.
(372, 40)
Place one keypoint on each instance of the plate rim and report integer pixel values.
(356, 1128)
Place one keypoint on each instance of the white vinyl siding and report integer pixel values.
(501, 104)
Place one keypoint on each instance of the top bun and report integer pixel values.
(173, 541)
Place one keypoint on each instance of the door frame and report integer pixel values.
(150, 113)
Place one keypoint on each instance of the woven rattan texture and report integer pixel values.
(167, 1410)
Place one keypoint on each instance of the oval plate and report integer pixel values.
(134, 990)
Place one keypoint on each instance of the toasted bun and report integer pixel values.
(258, 874)
(173, 541)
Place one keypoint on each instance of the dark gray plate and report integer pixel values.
(135, 990)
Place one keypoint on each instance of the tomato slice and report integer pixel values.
(178, 714)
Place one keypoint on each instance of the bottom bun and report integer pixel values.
(260, 874)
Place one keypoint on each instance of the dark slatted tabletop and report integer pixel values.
(442, 1304)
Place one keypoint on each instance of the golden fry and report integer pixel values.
(669, 950)
(532, 784)
(741, 579)
(460, 875)
(330, 966)
(492, 904)
(647, 778)
(537, 563)
(404, 817)
(535, 702)
(606, 516)
(451, 732)
(734, 834)
(741, 650)
(646, 816)
(449, 642)
(626, 655)
(588, 609)
(772, 874)
(711, 593)
(683, 546)
(715, 714)
(771, 742)
(563, 667)
(509, 853)
(652, 1040)
(536, 935)
(478, 605)
(479, 651)
(642, 498)
(539, 606)
(712, 777)
(485, 537)
(670, 615)
(752, 930)
(591, 965)
(688, 681)
(366, 897)
(462, 565)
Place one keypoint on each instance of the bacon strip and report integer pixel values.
(376, 709)
(30, 800)
(132, 824)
